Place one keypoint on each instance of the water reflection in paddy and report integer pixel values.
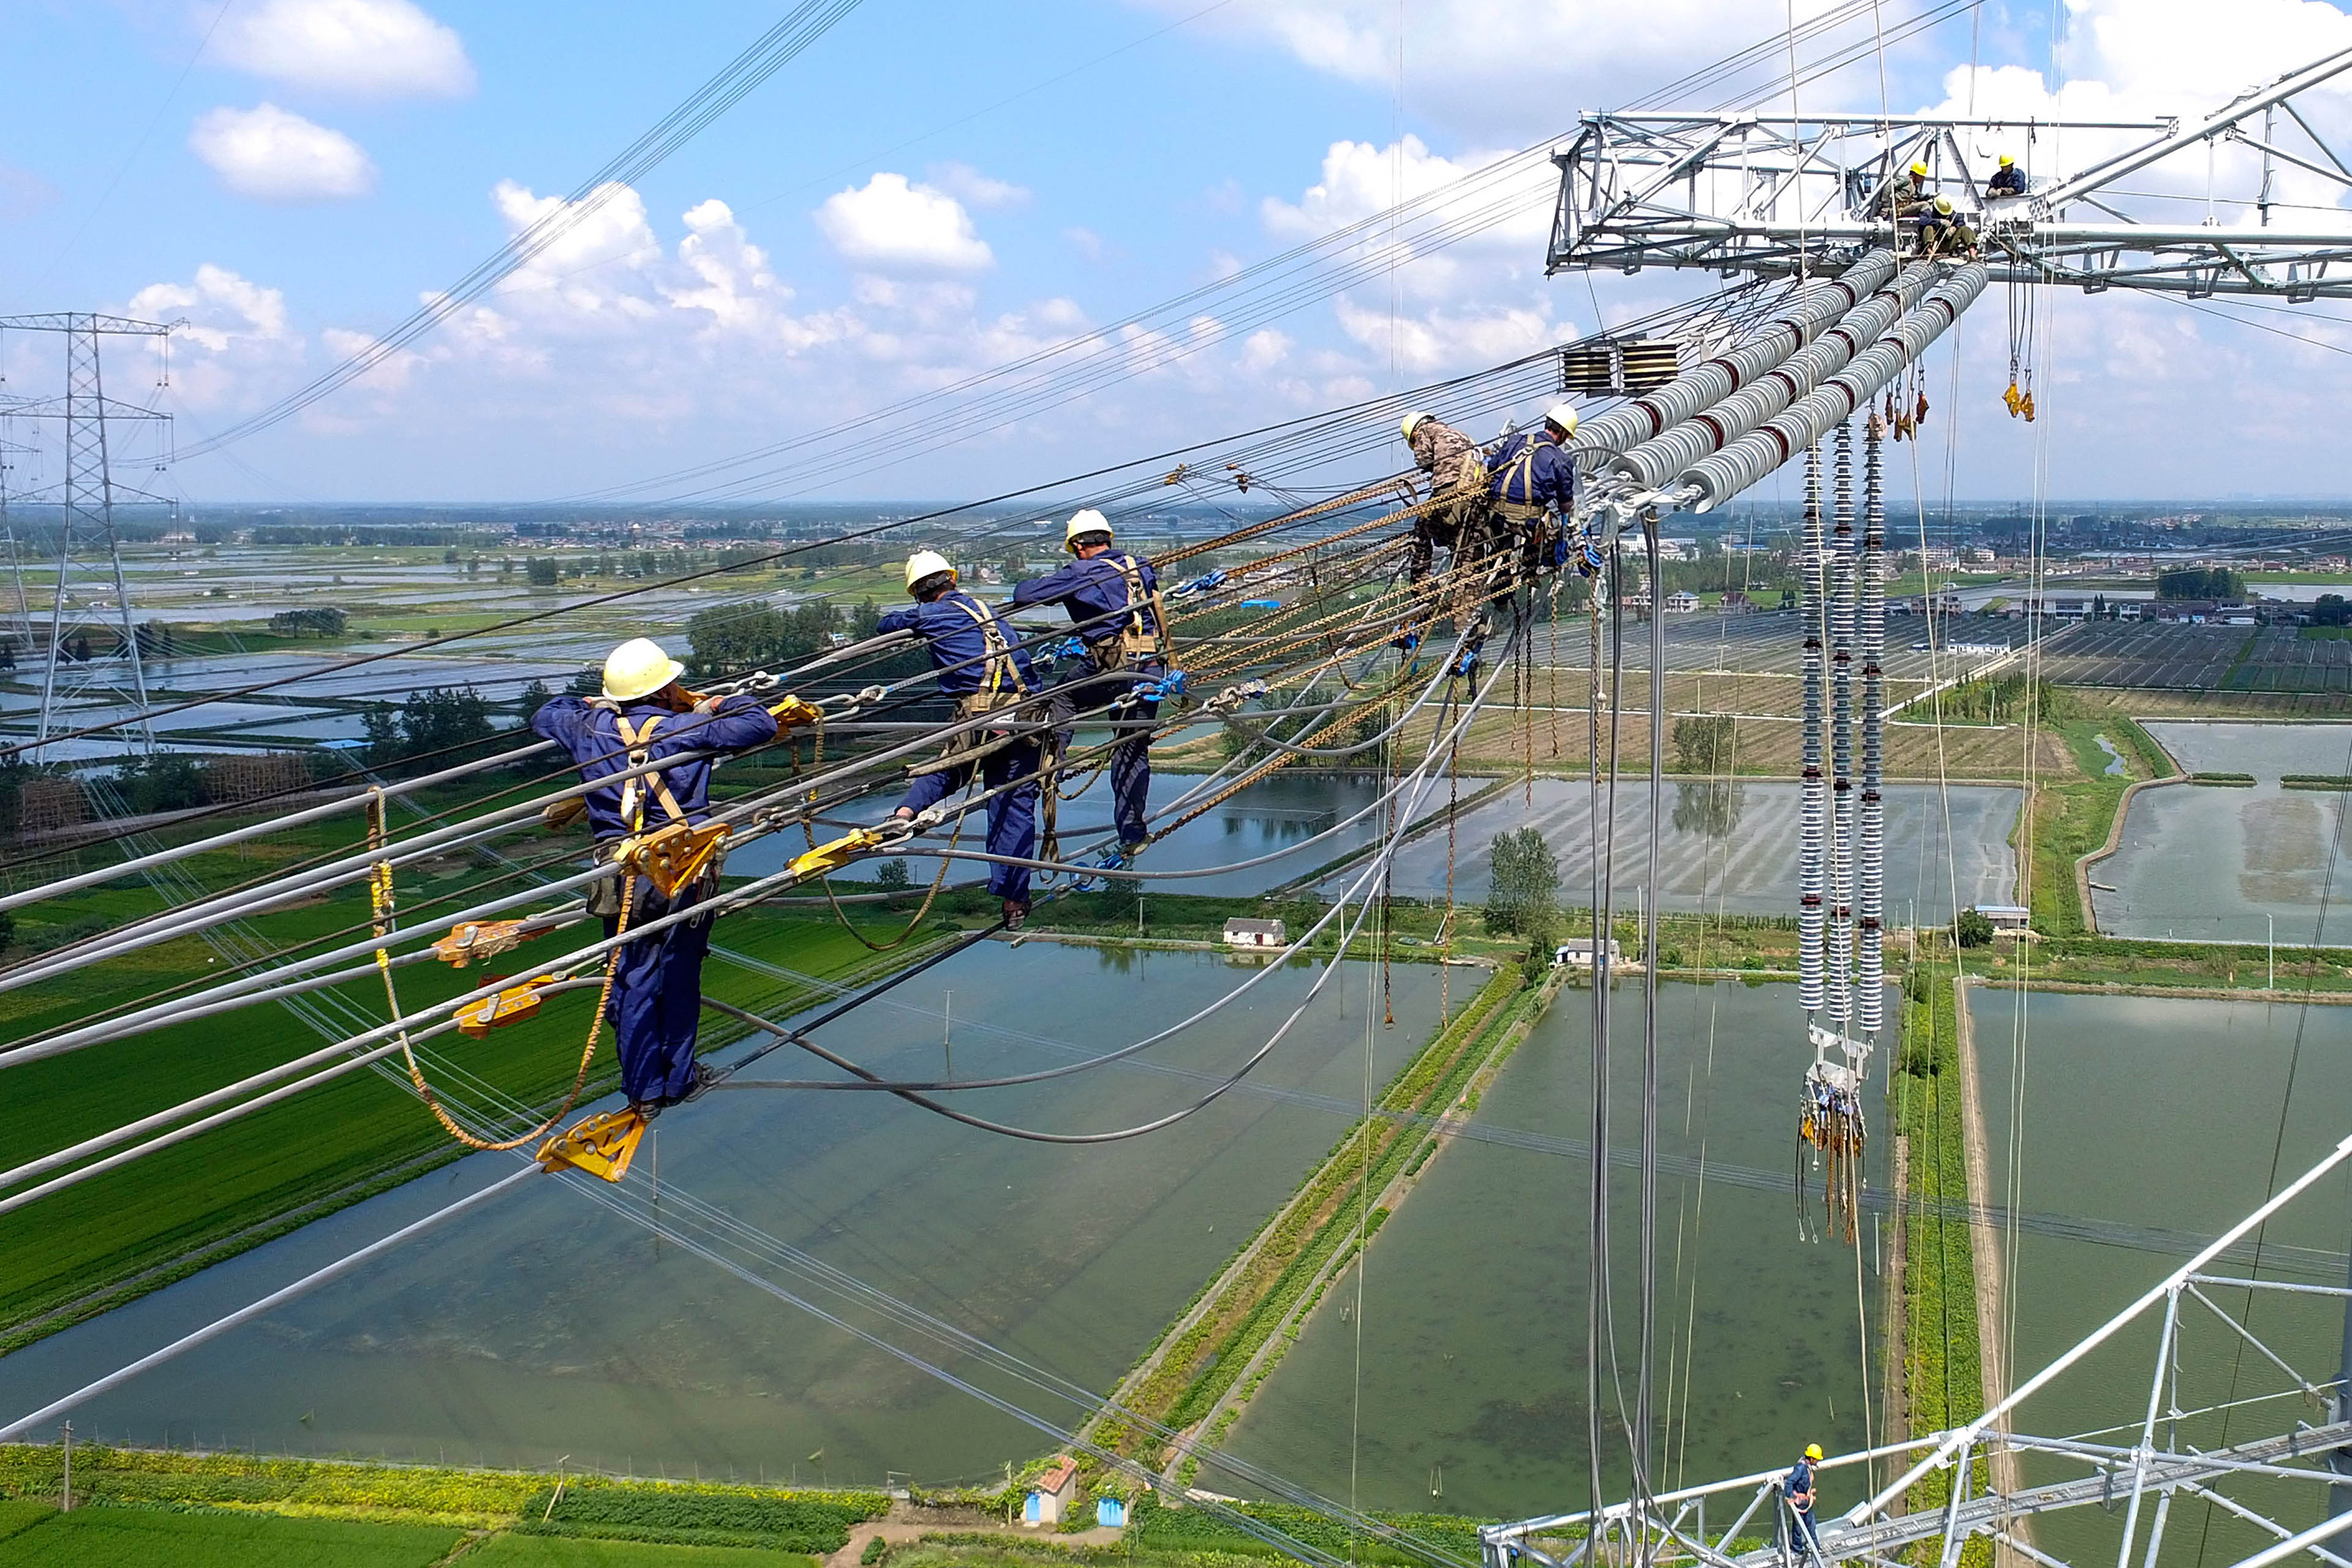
(543, 1326)
(2230, 863)
(1472, 1334)
(2165, 1112)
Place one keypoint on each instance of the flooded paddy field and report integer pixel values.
(542, 1326)
(1732, 848)
(1472, 1330)
(2214, 1089)
(2212, 864)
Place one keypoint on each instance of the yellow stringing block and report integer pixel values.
(833, 855)
(792, 713)
(477, 939)
(511, 1006)
(602, 1145)
(677, 855)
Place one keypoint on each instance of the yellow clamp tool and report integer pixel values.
(672, 858)
(511, 1006)
(792, 711)
(839, 852)
(602, 1145)
(479, 938)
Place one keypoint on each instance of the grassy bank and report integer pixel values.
(1943, 1380)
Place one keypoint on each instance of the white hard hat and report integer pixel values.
(1085, 523)
(637, 669)
(925, 563)
(1409, 421)
(1563, 415)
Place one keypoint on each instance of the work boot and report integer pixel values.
(705, 1075)
(1016, 911)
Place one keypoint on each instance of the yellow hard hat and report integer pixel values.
(1943, 207)
(1562, 417)
(1812, 1451)
(1409, 421)
(637, 669)
(2006, 160)
(925, 563)
(1920, 169)
(1085, 523)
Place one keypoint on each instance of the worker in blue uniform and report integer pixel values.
(986, 672)
(1114, 598)
(1797, 1489)
(1531, 477)
(2009, 180)
(645, 716)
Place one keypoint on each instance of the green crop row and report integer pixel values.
(594, 1505)
(1156, 1528)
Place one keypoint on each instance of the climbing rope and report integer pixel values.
(385, 919)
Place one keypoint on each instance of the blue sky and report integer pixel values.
(887, 224)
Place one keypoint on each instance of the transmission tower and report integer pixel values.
(92, 595)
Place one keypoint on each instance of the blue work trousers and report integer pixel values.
(1804, 1534)
(1131, 721)
(1012, 815)
(657, 1002)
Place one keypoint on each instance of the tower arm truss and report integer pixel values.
(1749, 195)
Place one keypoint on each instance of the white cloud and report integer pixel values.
(369, 49)
(975, 189)
(235, 331)
(1085, 242)
(271, 155)
(892, 223)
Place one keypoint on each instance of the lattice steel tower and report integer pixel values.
(89, 556)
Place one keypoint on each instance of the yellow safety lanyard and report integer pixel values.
(1133, 578)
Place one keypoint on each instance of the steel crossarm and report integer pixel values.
(1746, 194)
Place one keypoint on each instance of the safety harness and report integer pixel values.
(1518, 473)
(1132, 641)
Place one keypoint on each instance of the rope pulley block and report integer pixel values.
(602, 1146)
(510, 1006)
(479, 938)
(834, 853)
(792, 711)
(674, 857)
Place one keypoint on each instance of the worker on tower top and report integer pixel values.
(1530, 474)
(987, 673)
(1797, 1489)
(645, 716)
(2009, 180)
(1944, 232)
(1457, 488)
(1905, 196)
(1114, 598)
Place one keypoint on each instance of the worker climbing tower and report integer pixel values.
(90, 646)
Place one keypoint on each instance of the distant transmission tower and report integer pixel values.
(92, 595)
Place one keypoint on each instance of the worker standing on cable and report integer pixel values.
(1114, 598)
(1531, 475)
(645, 716)
(2006, 181)
(1798, 1488)
(1457, 489)
(986, 673)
